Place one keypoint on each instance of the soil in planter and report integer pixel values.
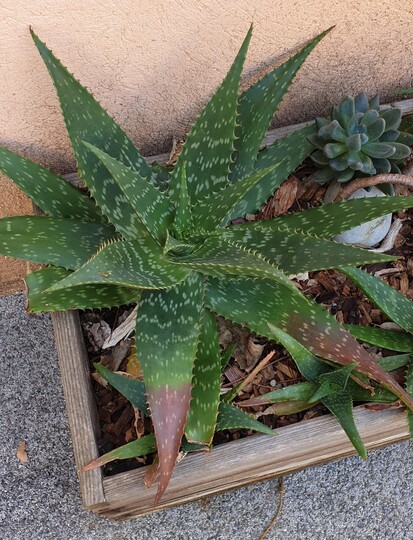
(120, 423)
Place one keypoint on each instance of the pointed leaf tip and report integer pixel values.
(168, 433)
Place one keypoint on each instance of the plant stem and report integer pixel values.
(400, 179)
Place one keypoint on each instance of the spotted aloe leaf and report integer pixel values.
(213, 209)
(231, 417)
(140, 447)
(50, 192)
(301, 394)
(81, 297)
(214, 132)
(138, 264)
(86, 120)
(296, 392)
(257, 304)
(133, 389)
(297, 251)
(183, 222)
(331, 219)
(340, 405)
(392, 302)
(48, 240)
(151, 207)
(390, 363)
(332, 382)
(217, 257)
(289, 152)
(332, 386)
(257, 106)
(386, 339)
(202, 416)
(167, 332)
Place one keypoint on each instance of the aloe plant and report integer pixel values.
(165, 241)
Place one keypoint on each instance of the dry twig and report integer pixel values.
(281, 492)
(399, 179)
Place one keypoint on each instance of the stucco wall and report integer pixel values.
(154, 63)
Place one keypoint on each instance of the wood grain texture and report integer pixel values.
(80, 402)
(251, 460)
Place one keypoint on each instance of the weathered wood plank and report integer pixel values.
(80, 402)
(252, 459)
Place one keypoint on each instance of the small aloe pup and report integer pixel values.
(165, 241)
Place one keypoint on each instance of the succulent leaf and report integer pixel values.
(390, 363)
(211, 211)
(402, 151)
(48, 240)
(202, 415)
(217, 257)
(376, 129)
(231, 417)
(50, 192)
(297, 251)
(320, 159)
(214, 132)
(167, 331)
(392, 302)
(295, 392)
(140, 447)
(379, 150)
(257, 106)
(132, 389)
(374, 103)
(392, 117)
(334, 149)
(139, 264)
(332, 382)
(337, 133)
(183, 222)
(81, 297)
(386, 339)
(86, 120)
(340, 405)
(289, 152)
(353, 143)
(150, 206)
(331, 219)
(346, 110)
(361, 102)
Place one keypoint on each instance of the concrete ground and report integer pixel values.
(40, 499)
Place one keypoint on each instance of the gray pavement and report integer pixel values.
(40, 500)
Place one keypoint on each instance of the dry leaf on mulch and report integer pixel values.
(21, 452)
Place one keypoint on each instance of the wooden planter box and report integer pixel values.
(231, 465)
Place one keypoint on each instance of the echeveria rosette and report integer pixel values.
(166, 242)
(359, 139)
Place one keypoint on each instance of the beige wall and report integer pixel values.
(154, 63)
